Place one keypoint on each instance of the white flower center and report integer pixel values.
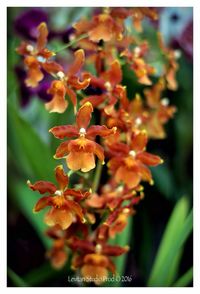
(29, 48)
(108, 86)
(165, 101)
(41, 59)
(98, 248)
(132, 153)
(82, 132)
(58, 192)
(138, 121)
(137, 51)
(60, 75)
(177, 54)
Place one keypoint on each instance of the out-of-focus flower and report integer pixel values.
(27, 22)
(81, 151)
(26, 93)
(36, 57)
(176, 26)
(63, 201)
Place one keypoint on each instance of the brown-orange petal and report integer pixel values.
(149, 159)
(52, 67)
(59, 216)
(78, 62)
(58, 102)
(97, 273)
(139, 141)
(61, 177)
(42, 36)
(62, 150)
(99, 152)
(61, 132)
(114, 250)
(102, 131)
(72, 96)
(84, 115)
(42, 187)
(76, 208)
(81, 160)
(95, 201)
(34, 74)
(130, 178)
(77, 194)
(42, 203)
(115, 73)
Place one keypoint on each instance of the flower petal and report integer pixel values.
(80, 160)
(130, 178)
(99, 151)
(114, 250)
(62, 150)
(84, 115)
(58, 103)
(59, 216)
(42, 203)
(102, 131)
(114, 74)
(76, 208)
(78, 62)
(42, 187)
(72, 96)
(96, 273)
(149, 159)
(77, 195)
(42, 37)
(52, 67)
(61, 177)
(62, 132)
(139, 141)
(34, 73)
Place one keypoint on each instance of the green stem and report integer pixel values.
(71, 43)
(97, 176)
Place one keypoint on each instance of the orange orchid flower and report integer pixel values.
(63, 201)
(101, 27)
(94, 260)
(129, 162)
(67, 83)
(81, 151)
(108, 81)
(36, 58)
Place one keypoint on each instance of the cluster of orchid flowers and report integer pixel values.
(84, 218)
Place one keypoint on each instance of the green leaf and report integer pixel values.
(168, 256)
(16, 280)
(164, 180)
(28, 148)
(26, 199)
(185, 280)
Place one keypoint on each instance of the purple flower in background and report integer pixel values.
(26, 23)
(176, 25)
(26, 93)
